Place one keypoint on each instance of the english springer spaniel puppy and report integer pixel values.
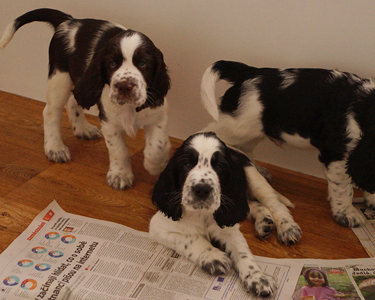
(330, 110)
(202, 196)
(118, 69)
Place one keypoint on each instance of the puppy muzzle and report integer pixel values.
(202, 195)
(127, 91)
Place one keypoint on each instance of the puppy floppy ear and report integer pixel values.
(89, 88)
(234, 207)
(167, 192)
(361, 163)
(160, 83)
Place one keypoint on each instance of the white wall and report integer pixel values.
(192, 34)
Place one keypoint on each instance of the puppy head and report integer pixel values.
(204, 175)
(133, 68)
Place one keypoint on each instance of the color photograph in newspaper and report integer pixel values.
(364, 278)
(366, 233)
(321, 283)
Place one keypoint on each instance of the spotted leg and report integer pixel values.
(157, 147)
(120, 175)
(190, 244)
(264, 223)
(288, 230)
(81, 127)
(340, 194)
(231, 240)
(59, 89)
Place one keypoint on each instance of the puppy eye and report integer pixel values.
(112, 64)
(215, 165)
(217, 162)
(142, 64)
(188, 165)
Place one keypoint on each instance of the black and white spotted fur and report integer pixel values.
(119, 70)
(202, 196)
(330, 110)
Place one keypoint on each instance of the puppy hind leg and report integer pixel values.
(157, 146)
(248, 147)
(340, 194)
(263, 220)
(81, 127)
(59, 89)
(288, 231)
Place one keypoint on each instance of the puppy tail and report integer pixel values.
(233, 72)
(8, 33)
(208, 83)
(51, 16)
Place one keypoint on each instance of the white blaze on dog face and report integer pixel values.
(202, 187)
(127, 82)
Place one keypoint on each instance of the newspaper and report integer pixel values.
(65, 256)
(366, 233)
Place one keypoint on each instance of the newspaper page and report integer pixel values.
(65, 256)
(366, 233)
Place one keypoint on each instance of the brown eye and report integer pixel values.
(112, 64)
(142, 64)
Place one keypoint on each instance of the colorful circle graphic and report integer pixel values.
(42, 267)
(55, 253)
(52, 236)
(39, 250)
(11, 280)
(25, 263)
(28, 284)
(68, 239)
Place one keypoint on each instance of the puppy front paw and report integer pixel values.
(59, 154)
(350, 217)
(260, 284)
(289, 232)
(215, 262)
(120, 180)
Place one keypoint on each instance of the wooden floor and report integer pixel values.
(29, 182)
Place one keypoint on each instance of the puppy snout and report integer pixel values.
(125, 88)
(202, 191)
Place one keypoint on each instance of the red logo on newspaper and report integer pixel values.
(49, 215)
(36, 231)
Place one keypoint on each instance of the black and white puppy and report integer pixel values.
(202, 196)
(330, 110)
(119, 70)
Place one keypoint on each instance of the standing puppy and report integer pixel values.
(119, 70)
(330, 110)
(202, 196)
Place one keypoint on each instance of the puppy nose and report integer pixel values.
(125, 87)
(202, 191)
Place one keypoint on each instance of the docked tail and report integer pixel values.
(233, 72)
(51, 16)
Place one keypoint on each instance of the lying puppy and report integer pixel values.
(330, 110)
(118, 69)
(202, 196)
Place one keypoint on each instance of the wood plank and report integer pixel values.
(29, 182)
(15, 217)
